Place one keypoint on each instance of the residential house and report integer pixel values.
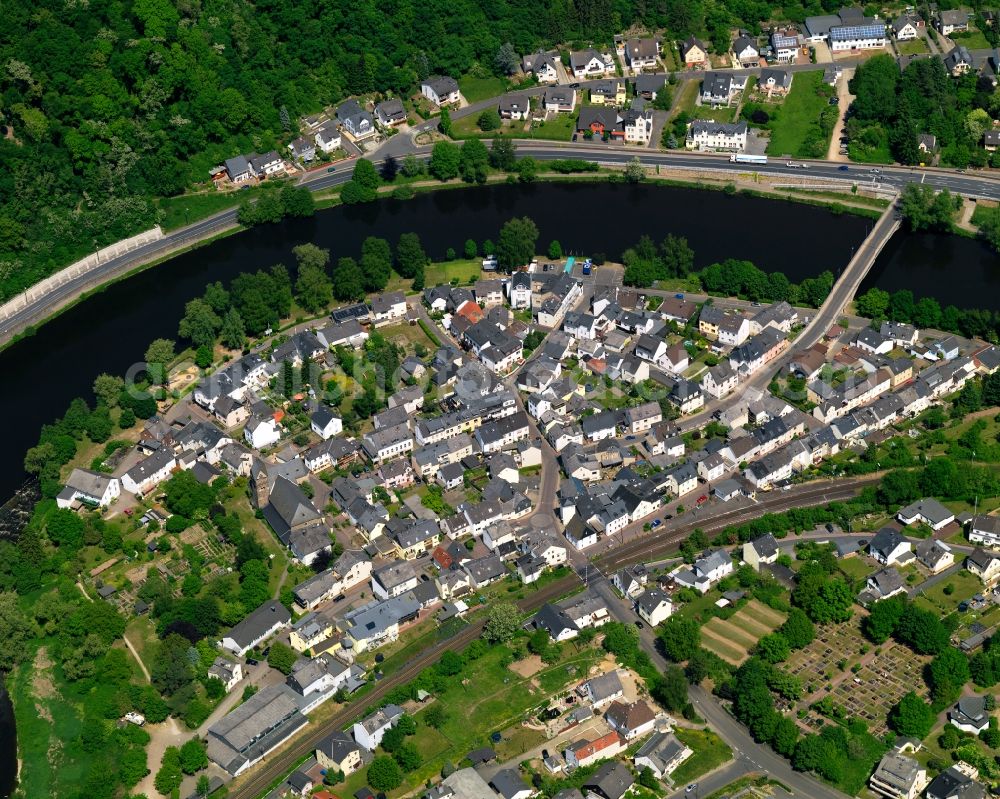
(612, 780)
(394, 579)
(440, 90)
(745, 52)
(649, 86)
(927, 143)
(369, 731)
(985, 530)
(720, 380)
(508, 784)
(905, 28)
(340, 752)
(956, 782)
(309, 631)
(600, 121)
(884, 584)
(559, 98)
(258, 626)
(687, 396)
(303, 149)
(719, 88)
(898, 777)
(514, 106)
(776, 82)
(325, 423)
(267, 165)
(327, 137)
(608, 92)
(970, 715)
(228, 672)
(862, 33)
(89, 488)
(653, 606)
(888, 547)
(959, 61)
(355, 120)
(542, 65)
(704, 134)
(761, 550)
(238, 169)
(590, 64)
(149, 472)
(705, 572)
(390, 112)
(583, 752)
(642, 54)
(662, 753)
(387, 308)
(694, 53)
(784, 46)
(638, 126)
(927, 510)
(935, 555)
(947, 22)
(985, 565)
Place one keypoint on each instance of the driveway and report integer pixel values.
(845, 99)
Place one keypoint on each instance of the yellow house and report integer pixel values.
(310, 631)
(694, 53)
(339, 752)
(608, 92)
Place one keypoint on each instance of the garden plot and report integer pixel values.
(732, 639)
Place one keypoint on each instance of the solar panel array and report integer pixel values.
(846, 32)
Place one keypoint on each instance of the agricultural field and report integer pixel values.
(733, 639)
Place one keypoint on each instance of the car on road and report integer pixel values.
(639, 625)
(678, 296)
(574, 85)
(574, 137)
(843, 168)
(252, 662)
(331, 169)
(874, 171)
(692, 787)
(656, 523)
(703, 499)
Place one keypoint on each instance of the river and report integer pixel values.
(109, 331)
(8, 744)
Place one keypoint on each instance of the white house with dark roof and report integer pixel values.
(542, 65)
(985, 530)
(441, 90)
(745, 52)
(90, 488)
(325, 423)
(888, 546)
(970, 715)
(590, 64)
(149, 473)
(328, 137)
(885, 583)
(369, 731)
(934, 555)
(761, 550)
(704, 134)
(260, 625)
(662, 753)
(898, 777)
(927, 510)
(985, 565)
(390, 112)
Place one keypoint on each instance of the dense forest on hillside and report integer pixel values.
(107, 105)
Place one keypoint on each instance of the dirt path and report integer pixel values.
(845, 99)
(160, 737)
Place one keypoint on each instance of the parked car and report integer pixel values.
(844, 168)
(639, 625)
(703, 499)
(656, 523)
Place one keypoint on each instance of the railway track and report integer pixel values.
(263, 777)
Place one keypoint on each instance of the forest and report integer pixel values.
(106, 106)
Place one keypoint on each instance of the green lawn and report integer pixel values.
(467, 127)
(466, 270)
(183, 210)
(963, 584)
(973, 39)
(796, 124)
(559, 128)
(710, 752)
(913, 47)
(688, 96)
(476, 89)
(720, 114)
(857, 568)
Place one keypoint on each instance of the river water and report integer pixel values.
(111, 330)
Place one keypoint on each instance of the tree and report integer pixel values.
(506, 60)
(773, 648)
(470, 250)
(108, 388)
(502, 623)
(16, 630)
(671, 689)
(824, 599)
(444, 122)
(517, 242)
(348, 280)
(977, 122)
(169, 777)
(912, 717)
(678, 257)
(647, 779)
(450, 664)
(883, 619)
(281, 657)
(193, 757)
(527, 169)
(435, 716)
(412, 166)
(313, 289)
(503, 153)
(232, 332)
(445, 160)
(384, 774)
(389, 169)
(873, 304)
(555, 250)
(410, 255)
(408, 757)
(922, 630)
(797, 629)
(680, 637)
(203, 787)
(634, 171)
(365, 174)
(947, 674)
(474, 164)
(160, 352)
(376, 263)
(354, 193)
(488, 120)
(392, 739)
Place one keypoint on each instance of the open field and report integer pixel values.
(795, 126)
(913, 47)
(476, 89)
(710, 752)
